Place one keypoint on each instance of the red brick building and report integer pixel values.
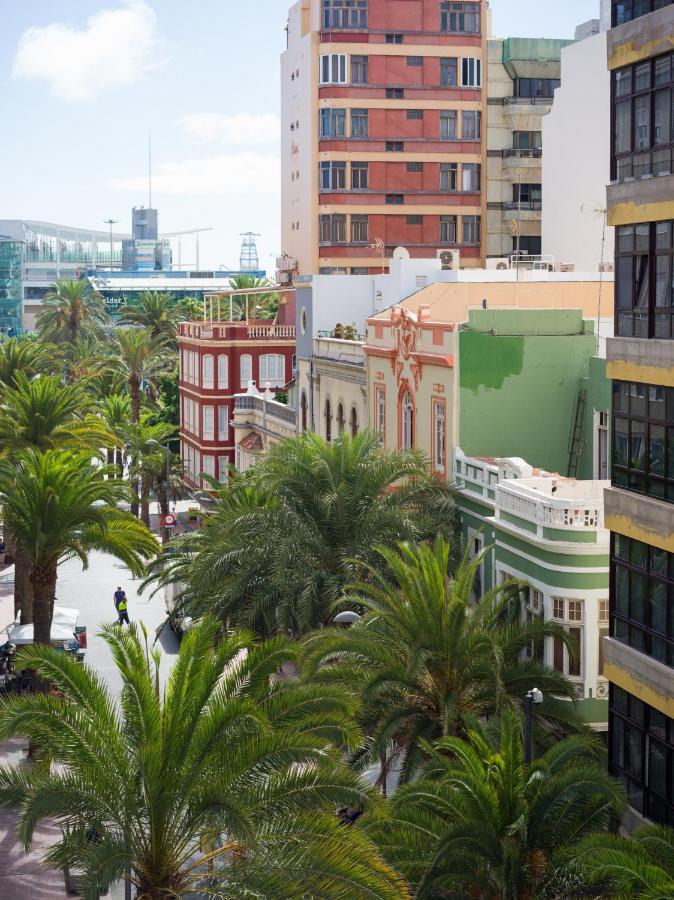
(217, 360)
(383, 113)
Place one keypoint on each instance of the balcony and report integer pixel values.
(519, 153)
(554, 502)
(326, 346)
(529, 101)
(236, 331)
(524, 205)
(264, 409)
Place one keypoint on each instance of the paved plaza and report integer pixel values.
(22, 877)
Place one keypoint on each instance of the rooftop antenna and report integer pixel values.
(149, 168)
(248, 261)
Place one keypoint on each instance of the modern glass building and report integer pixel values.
(10, 285)
(639, 506)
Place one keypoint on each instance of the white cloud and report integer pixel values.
(224, 174)
(115, 48)
(240, 130)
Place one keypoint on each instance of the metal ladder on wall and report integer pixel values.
(576, 439)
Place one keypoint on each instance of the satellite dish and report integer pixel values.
(400, 253)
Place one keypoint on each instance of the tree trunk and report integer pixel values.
(23, 588)
(135, 497)
(111, 457)
(164, 507)
(43, 579)
(120, 462)
(145, 500)
(134, 387)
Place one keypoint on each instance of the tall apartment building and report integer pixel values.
(382, 116)
(639, 507)
(523, 75)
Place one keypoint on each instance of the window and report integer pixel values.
(626, 10)
(641, 754)
(471, 229)
(601, 445)
(332, 176)
(643, 135)
(470, 177)
(448, 120)
(575, 611)
(395, 199)
(528, 196)
(415, 61)
(471, 72)
(328, 421)
(303, 411)
(643, 439)
(359, 176)
(359, 69)
(246, 369)
(208, 423)
(475, 550)
(460, 18)
(340, 418)
(414, 220)
(644, 280)
(527, 140)
(223, 369)
(603, 610)
(333, 229)
(448, 176)
(359, 123)
(273, 369)
(208, 466)
(353, 422)
(332, 123)
(207, 367)
(448, 229)
(558, 607)
(394, 147)
(359, 229)
(415, 114)
(223, 423)
(439, 436)
(344, 14)
(223, 469)
(471, 122)
(394, 38)
(380, 414)
(536, 88)
(414, 167)
(406, 421)
(449, 72)
(333, 68)
(394, 93)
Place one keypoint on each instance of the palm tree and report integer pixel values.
(141, 358)
(258, 305)
(42, 414)
(284, 540)
(32, 357)
(58, 505)
(483, 823)
(72, 310)
(426, 660)
(156, 311)
(87, 360)
(640, 867)
(144, 442)
(224, 783)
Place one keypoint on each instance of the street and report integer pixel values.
(21, 875)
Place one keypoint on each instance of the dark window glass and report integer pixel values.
(448, 72)
(644, 280)
(359, 69)
(460, 18)
(359, 123)
(344, 14)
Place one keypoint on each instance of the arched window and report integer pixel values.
(340, 418)
(272, 370)
(246, 370)
(328, 420)
(354, 421)
(207, 372)
(303, 410)
(223, 367)
(406, 421)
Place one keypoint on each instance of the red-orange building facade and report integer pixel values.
(383, 114)
(217, 361)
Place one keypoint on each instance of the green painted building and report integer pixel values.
(548, 531)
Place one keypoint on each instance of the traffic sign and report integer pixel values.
(169, 521)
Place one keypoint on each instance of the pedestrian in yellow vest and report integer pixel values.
(121, 605)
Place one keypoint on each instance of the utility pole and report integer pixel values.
(111, 222)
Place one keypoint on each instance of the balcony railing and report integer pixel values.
(223, 331)
(268, 408)
(550, 512)
(524, 205)
(531, 101)
(521, 153)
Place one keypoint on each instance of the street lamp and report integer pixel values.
(347, 618)
(533, 696)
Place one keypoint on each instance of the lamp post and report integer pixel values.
(533, 696)
(111, 222)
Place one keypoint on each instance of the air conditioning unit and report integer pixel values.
(498, 263)
(449, 259)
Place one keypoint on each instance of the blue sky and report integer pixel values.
(83, 82)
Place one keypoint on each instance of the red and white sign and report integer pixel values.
(169, 521)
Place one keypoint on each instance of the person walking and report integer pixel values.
(122, 606)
